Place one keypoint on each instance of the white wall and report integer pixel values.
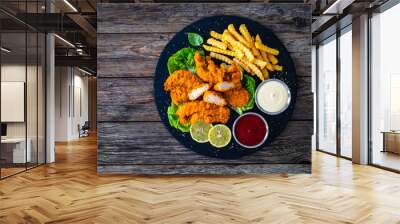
(17, 73)
(80, 112)
(33, 126)
(13, 100)
(71, 102)
(13, 72)
(10, 73)
(62, 82)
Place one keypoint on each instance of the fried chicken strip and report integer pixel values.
(181, 83)
(224, 86)
(198, 91)
(207, 70)
(214, 97)
(237, 97)
(193, 111)
(231, 80)
(233, 75)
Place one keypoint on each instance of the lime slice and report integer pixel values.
(199, 131)
(219, 136)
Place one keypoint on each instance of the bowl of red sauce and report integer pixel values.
(250, 130)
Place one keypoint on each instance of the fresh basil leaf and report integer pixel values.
(195, 39)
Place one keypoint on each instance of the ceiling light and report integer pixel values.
(5, 50)
(84, 71)
(79, 51)
(337, 7)
(70, 5)
(331, 7)
(65, 41)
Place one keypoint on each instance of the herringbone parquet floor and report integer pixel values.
(69, 191)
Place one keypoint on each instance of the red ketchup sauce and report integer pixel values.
(250, 130)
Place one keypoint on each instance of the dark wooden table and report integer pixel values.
(131, 138)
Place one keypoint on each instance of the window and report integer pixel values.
(327, 95)
(334, 106)
(22, 77)
(346, 92)
(385, 89)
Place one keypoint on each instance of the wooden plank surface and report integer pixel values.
(131, 138)
(170, 18)
(208, 169)
(136, 55)
(132, 99)
(141, 142)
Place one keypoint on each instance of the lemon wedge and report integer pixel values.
(199, 131)
(219, 136)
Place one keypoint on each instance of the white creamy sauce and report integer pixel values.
(272, 96)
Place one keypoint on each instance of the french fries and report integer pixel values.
(245, 32)
(267, 49)
(218, 50)
(264, 55)
(265, 73)
(238, 67)
(269, 66)
(229, 46)
(237, 45)
(242, 65)
(272, 59)
(216, 35)
(278, 68)
(216, 43)
(240, 38)
(255, 51)
(247, 52)
(258, 39)
(239, 54)
(255, 70)
(260, 63)
(221, 57)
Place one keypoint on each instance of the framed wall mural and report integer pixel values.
(226, 90)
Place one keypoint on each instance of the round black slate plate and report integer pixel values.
(277, 123)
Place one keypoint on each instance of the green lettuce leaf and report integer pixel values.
(174, 119)
(182, 59)
(250, 85)
(195, 39)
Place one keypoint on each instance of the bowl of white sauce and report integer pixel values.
(273, 96)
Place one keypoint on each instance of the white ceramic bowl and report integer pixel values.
(266, 133)
(287, 103)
